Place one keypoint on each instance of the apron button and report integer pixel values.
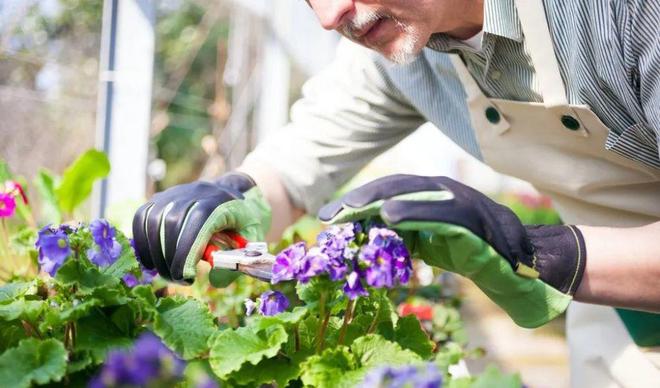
(492, 115)
(570, 122)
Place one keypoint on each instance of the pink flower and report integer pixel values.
(7, 205)
(15, 189)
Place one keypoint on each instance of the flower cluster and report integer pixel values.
(148, 363)
(54, 248)
(9, 192)
(269, 303)
(425, 376)
(382, 262)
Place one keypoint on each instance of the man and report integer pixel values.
(563, 94)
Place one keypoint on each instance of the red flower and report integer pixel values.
(423, 312)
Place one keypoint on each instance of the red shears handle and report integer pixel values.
(236, 241)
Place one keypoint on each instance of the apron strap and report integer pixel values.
(539, 43)
(477, 101)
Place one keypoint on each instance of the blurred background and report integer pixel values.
(178, 90)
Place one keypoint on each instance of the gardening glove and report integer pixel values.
(531, 271)
(172, 230)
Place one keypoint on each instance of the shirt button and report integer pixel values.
(492, 115)
(570, 122)
(495, 74)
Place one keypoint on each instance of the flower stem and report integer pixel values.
(324, 325)
(296, 337)
(372, 327)
(348, 316)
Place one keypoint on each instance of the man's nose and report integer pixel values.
(331, 13)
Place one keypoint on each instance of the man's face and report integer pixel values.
(398, 29)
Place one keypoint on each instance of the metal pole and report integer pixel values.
(124, 102)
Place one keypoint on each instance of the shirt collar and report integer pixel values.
(500, 18)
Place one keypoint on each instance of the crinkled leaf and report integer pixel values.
(287, 318)
(11, 333)
(230, 349)
(272, 370)
(374, 350)
(145, 294)
(46, 182)
(15, 290)
(28, 310)
(97, 335)
(185, 325)
(78, 361)
(58, 316)
(33, 361)
(79, 177)
(124, 264)
(310, 293)
(409, 335)
(332, 368)
(75, 272)
(493, 377)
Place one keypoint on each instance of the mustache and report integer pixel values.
(359, 21)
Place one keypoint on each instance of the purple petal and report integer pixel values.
(272, 303)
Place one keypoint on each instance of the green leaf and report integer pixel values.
(11, 333)
(45, 182)
(33, 361)
(79, 178)
(185, 325)
(286, 319)
(86, 277)
(56, 317)
(330, 369)
(5, 173)
(374, 350)
(97, 335)
(230, 349)
(17, 289)
(271, 370)
(409, 335)
(125, 263)
(493, 377)
(28, 310)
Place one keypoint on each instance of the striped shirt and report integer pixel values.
(609, 57)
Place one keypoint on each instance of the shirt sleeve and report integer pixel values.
(647, 24)
(349, 114)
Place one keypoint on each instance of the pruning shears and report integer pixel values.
(229, 250)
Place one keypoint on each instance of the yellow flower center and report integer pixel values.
(61, 243)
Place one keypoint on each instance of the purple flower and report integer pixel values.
(7, 205)
(146, 277)
(425, 376)
(149, 362)
(53, 247)
(385, 259)
(250, 305)
(108, 249)
(103, 234)
(130, 280)
(353, 287)
(314, 263)
(288, 263)
(103, 257)
(272, 302)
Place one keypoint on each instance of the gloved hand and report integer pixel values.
(172, 230)
(530, 271)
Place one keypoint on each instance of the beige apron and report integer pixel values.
(560, 149)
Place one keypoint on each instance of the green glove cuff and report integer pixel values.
(250, 217)
(529, 302)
